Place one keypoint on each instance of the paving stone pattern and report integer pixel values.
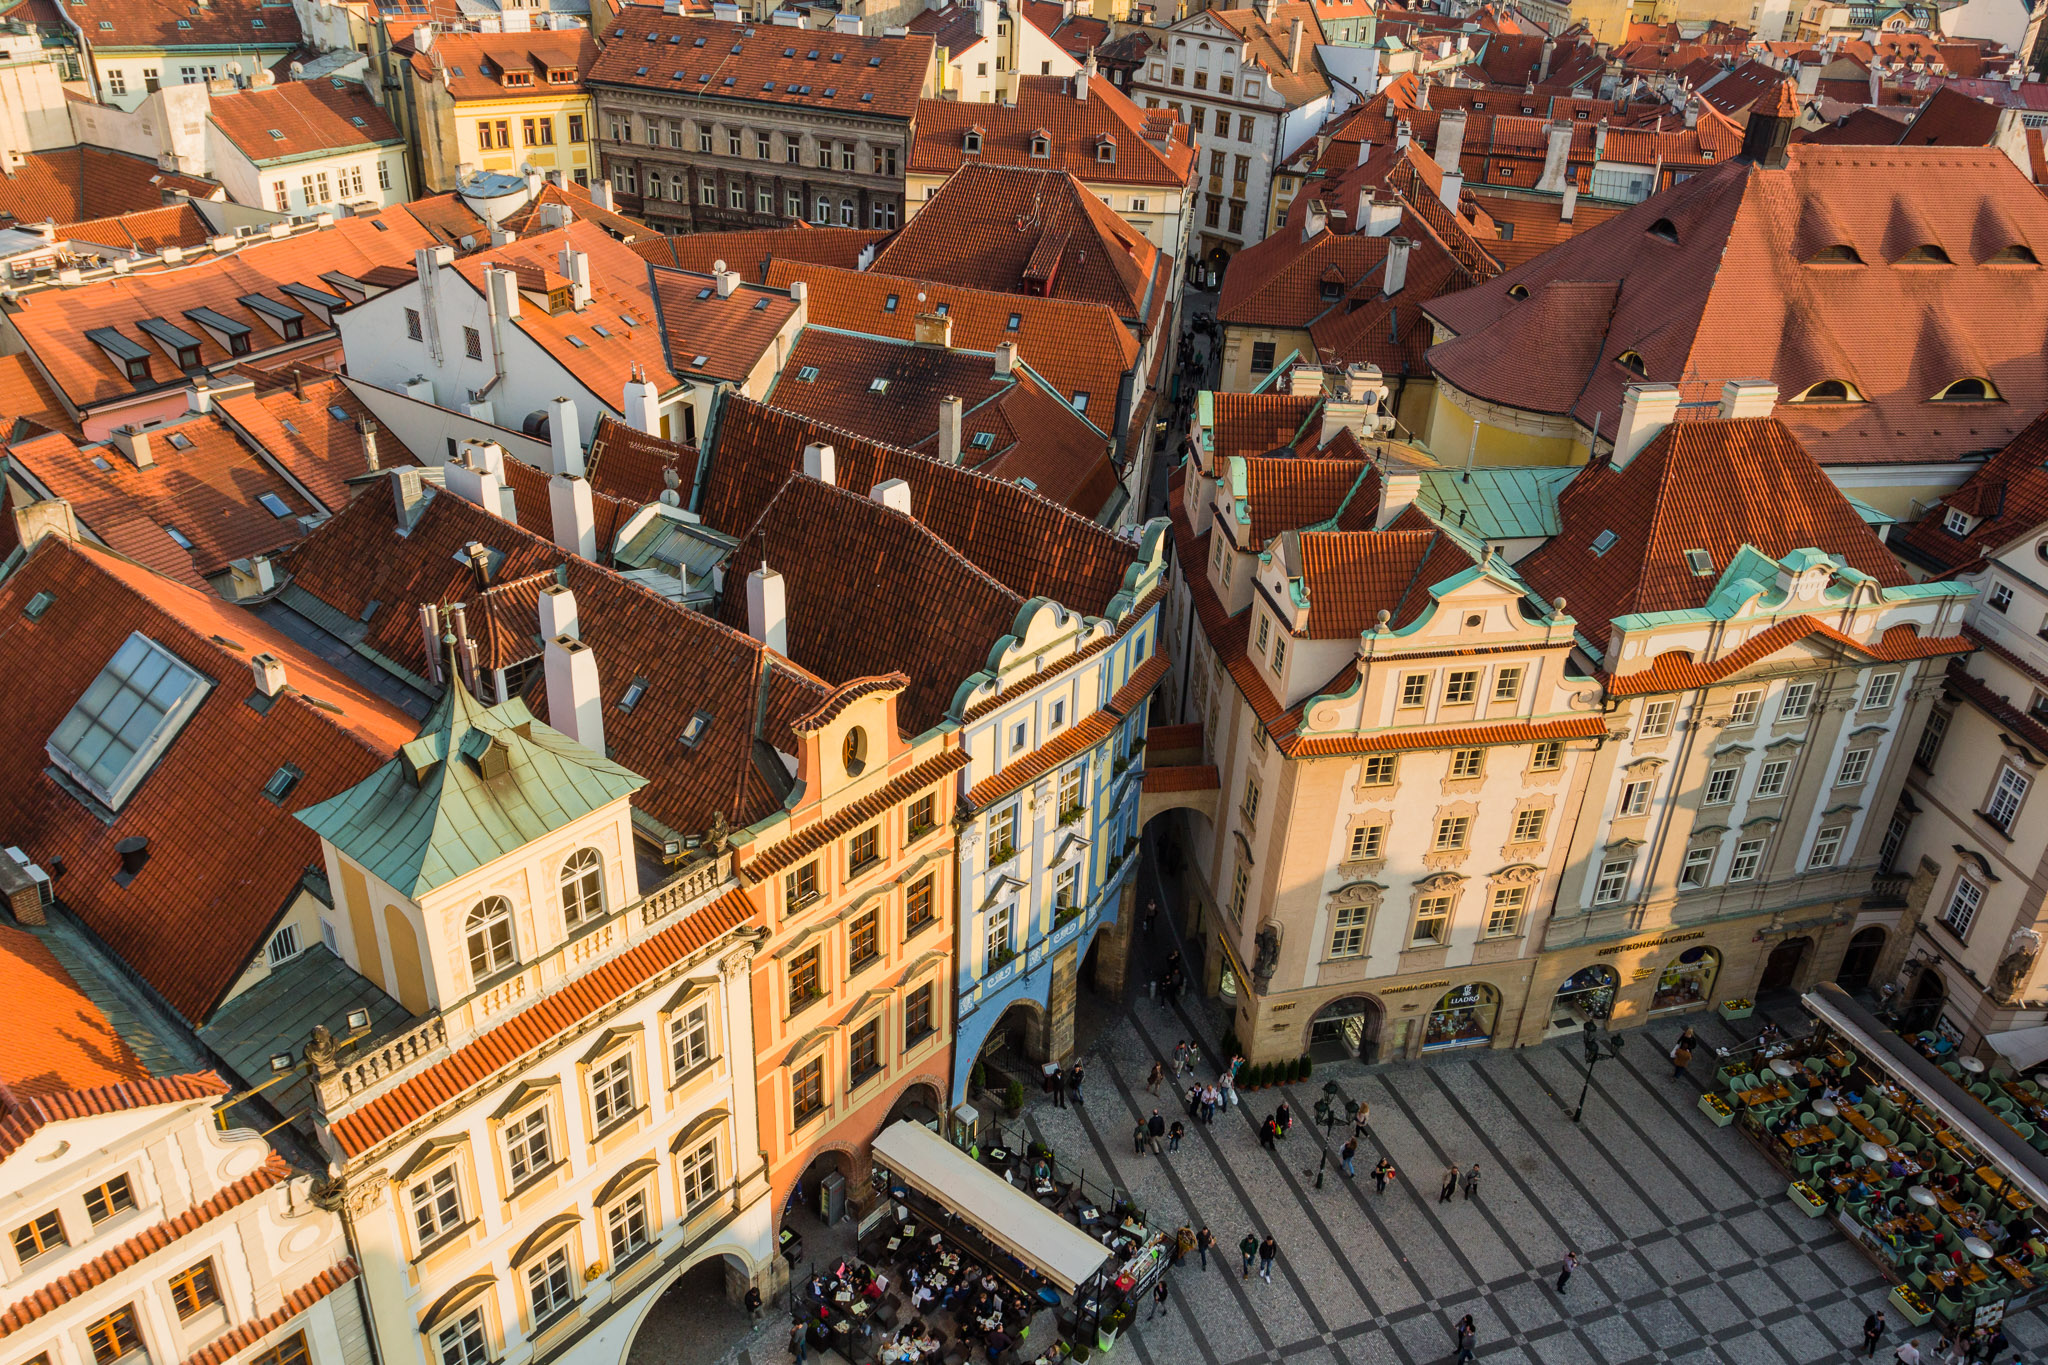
(1688, 1248)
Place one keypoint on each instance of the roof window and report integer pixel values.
(129, 715)
(39, 604)
(694, 728)
(1970, 390)
(1016, 321)
(1701, 563)
(630, 698)
(178, 537)
(808, 373)
(1841, 253)
(971, 143)
(179, 441)
(1927, 253)
(878, 386)
(282, 782)
(1665, 230)
(2016, 254)
(984, 440)
(889, 304)
(1518, 291)
(761, 304)
(1604, 542)
(700, 361)
(705, 292)
(273, 504)
(599, 328)
(1828, 391)
(1632, 361)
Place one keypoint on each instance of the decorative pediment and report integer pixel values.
(456, 1299)
(525, 1093)
(1862, 730)
(2025, 754)
(1626, 845)
(1518, 874)
(610, 1039)
(691, 988)
(1709, 831)
(1731, 751)
(805, 1045)
(1845, 808)
(999, 886)
(697, 1129)
(1785, 742)
(1440, 881)
(1978, 861)
(629, 1175)
(1760, 820)
(1071, 843)
(1244, 848)
(429, 1153)
(1649, 763)
(550, 1232)
(1358, 893)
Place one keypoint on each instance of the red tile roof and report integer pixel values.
(1191, 779)
(207, 492)
(472, 66)
(1267, 42)
(1734, 297)
(84, 182)
(302, 119)
(633, 467)
(239, 1338)
(1352, 576)
(1074, 130)
(847, 818)
(1525, 228)
(751, 251)
(26, 402)
(722, 338)
(1293, 493)
(1707, 485)
(147, 231)
(2004, 499)
(1677, 671)
(22, 1117)
(1257, 423)
(506, 1047)
(158, 24)
(204, 903)
(1083, 736)
(852, 75)
(56, 1040)
(988, 225)
(318, 449)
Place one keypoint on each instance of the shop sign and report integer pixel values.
(1642, 973)
(1417, 986)
(1467, 994)
(1652, 943)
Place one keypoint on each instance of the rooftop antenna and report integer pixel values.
(1472, 450)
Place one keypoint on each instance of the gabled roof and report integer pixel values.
(1074, 128)
(297, 427)
(1352, 576)
(472, 66)
(871, 592)
(1257, 423)
(719, 338)
(1267, 42)
(846, 73)
(2004, 499)
(477, 783)
(82, 182)
(1713, 485)
(26, 403)
(223, 858)
(148, 24)
(301, 119)
(1292, 494)
(1735, 297)
(147, 231)
(956, 28)
(1011, 230)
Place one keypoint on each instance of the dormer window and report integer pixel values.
(971, 144)
(1665, 230)
(1829, 391)
(1105, 150)
(1841, 253)
(1968, 391)
(1957, 522)
(1041, 145)
(518, 78)
(1518, 291)
(1632, 361)
(2015, 254)
(1926, 254)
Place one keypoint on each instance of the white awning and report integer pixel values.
(1004, 1214)
(2023, 1047)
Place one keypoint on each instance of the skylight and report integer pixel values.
(878, 386)
(700, 361)
(889, 304)
(984, 440)
(281, 783)
(178, 537)
(705, 292)
(337, 412)
(1016, 321)
(273, 504)
(579, 343)
(694, 729)
(129, 715)
(287, 425)
(807, 373)
(761, 304)
(1702, 563)
(635, 690)
(1604, 542)
(179, 441)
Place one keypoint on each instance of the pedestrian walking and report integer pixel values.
(1268, 1131)
(1151, 914)
(1382, 1173)
(1268, 1249)
(1158, 1074)
(1158, 1299)
(1466, 1334)
(1907, 1354)
(1358, 1120)
(1472, 1181)
(1688, 1040)
(1349, 1154)
(1174, 1135)
(799, 1343)
(1873, 1332)
(1074, 1082)
(1250, 1248)
(1155, 1127)
(1141, 1137)
(1681, 1058)
(1564, 1276)
(1284, 1117)
(1203, 1241)
(1450, 1189)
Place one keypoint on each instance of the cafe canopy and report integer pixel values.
(1004, 1214)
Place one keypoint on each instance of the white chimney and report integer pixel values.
(1379, 213)
(726, 280)
(1006, 359)
(1086, 78)
(1454, 185)
(576, 269)
(471, 479)
(269, 671)
(1570, 204)
(574, 706)
(574, 519)
(1748, 398)
(950, 410)
(767, 613)
(1305, 381)
(1556, 158)
(1646, 409)
(1396, 274)
(133, 442)
(601, 194)
(1314, 218)
(503, 288)
(558, 613)
(1402, 133)
(821, 462)
(643, 403)
(1397, 490)
(565, 437)
(1450, 138)
(893, 494)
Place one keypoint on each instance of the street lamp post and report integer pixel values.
(1598, 1045)
(1326, 1114)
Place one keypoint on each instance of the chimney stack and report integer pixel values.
(503, 288)
(367, 429)
(767, 613)
(642, 403)
(1305, 381)
(565, 437)
(893, 494)
(49, 517)
(574, 706)
(1450, 138)
(1556, 158)
(1006, 359)
(1453, 187)
(1569, 205)
(1396, 275)
(601, 195)
(950, 410)
(574, 518)
(1086, 78)
(1314, 218)
(725, 280)
(821, 462)
(1748, 398)
(1646, 409)
(269, 672)
(1294, 44)
(472, 479)
(1543, 62)
(133, 442)
(408, 494)
(934, 329)
(576, 265)
(558, 613)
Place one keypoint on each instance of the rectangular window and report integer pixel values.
(462, 1342)
(1797, 702)
(1451, 832)
(1415, 689)
(917, 1016)
(807, 1090)
(865, 1052)
(114, 1336)
(1262, 351)
(1467, 762)
(1720, 786)
(1827, 847)
(707, 193)
(736, 196)
(611, 1090)
(290, 1351)
(526, 1146)
(917, 906)
(538, 132)
(689, 1040)
(1930, 739)
(1961, 911)
(105, 1200)
(1461, 687)
(732, 143)
(1347, 937)
(1770, 779)
(412, 323)
(383, 175)
(700, 1175)
(2000, 599)
(1613, 882)
(1251, 800)
(800, 886)
(436, 1206)
(922, 814)
(804, 979)
(280, 197)
(626, 1226)
(1529, 824)
(1547, 756)
(1504, 911)
(1367, 841)
(473, 343)
(1879, 693)
(1378, 771)
(1507, 683)
(2004, 806)
(1656, 719)
(1432, 920)
(996, 945)
(1070, 792)
(1855, 767)
(1698, 862)
(1635, 799)
(863, 941)
(1749, 855)
(1279, 654)
(576, 128)
(1742, 711)
(117, 82)
(193, 1288)
(1002, 834)
(548, 1287)
(1240, 886)
(860, 850)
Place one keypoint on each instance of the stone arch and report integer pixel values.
(1346, 1028)
(408, 965)
(737, 1264)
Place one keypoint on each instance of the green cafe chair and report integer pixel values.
(1866, 1110)
(1918, 1279)
(2025, 1130)
(1982, 1090)
(1848, 1060)
(1809, 1119)
(1887, 1136)
(1947, 1307)
(1954, 1071)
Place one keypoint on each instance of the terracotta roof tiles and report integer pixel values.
(852, 74)
(148, 231)
(56, 1040)
(85, 182)
(473, 66)
(787, 852)
(753, 251)
(717, 337)
(239, 1338)
(300, 119)
(298, 429)
(1074, 131)
(151, 25)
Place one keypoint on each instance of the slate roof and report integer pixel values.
(1739, 294)
(300, 119)
(1074, 129)
(74, 184)
(477, 783)
(280, 1012)
(852, 75)
(223, 858)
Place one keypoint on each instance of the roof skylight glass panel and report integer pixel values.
(273, 504)
(126, 719)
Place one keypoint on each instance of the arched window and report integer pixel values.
(490, 937)
(1518, 291)
(1829, 391)
(1632, 361)
(2015, 254)
(1925, 254)
(1841, 253)
(1665, 230)
(1967, 391)
(582, 888)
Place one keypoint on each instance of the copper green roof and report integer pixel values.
(476, 784)
(1497, 503)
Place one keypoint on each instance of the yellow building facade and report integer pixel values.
(502, 102)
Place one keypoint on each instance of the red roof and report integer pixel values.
(26, 402)
(147, 231)
(474, 66)
(2004, 499)
(298, 429)
(79, 183)
(751, 251)
(113, 26)
(852, 75)
(1352, 576)
(56, 1039)
(302, 119)
(223, 858)
(1677, 671)
(1074, 130)
(1257, 423)
(722, 338)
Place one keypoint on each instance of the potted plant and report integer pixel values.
(1107, 1329)
(1716, 1109)
(1014, 1096)
(1739, 1008)
(1911, 1304)
(1303, 1068)
(1806, 1200)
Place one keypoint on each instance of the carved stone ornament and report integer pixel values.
(1583, 701)
(321, 1050)
(1268, 956)
(720, 833)
(1521, 874)
(368, 1194)
(2015, 965)
(1357, 893)
(1441, 881)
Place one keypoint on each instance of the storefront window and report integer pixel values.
(1226, 983)
(1688, 980)
(1463, 1018)
(1585, 995)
